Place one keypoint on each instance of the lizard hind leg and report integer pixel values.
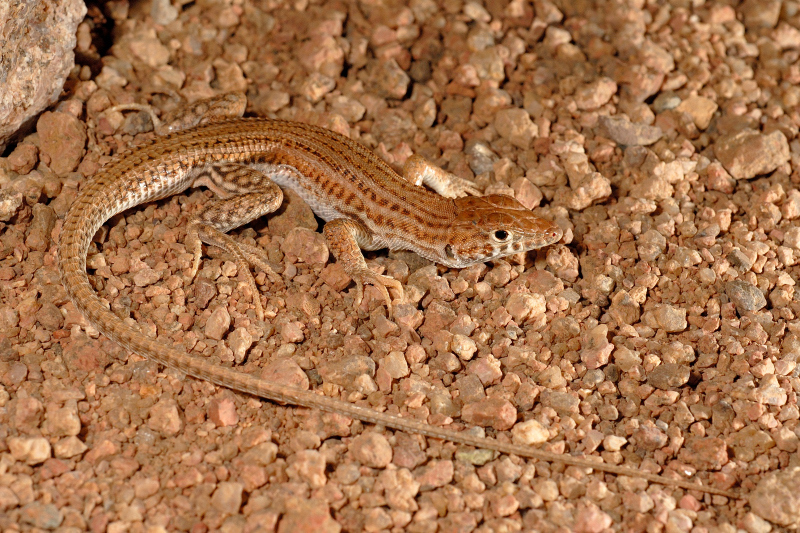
(245, 194)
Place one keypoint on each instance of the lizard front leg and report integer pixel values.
(345, 238)
(419, 171)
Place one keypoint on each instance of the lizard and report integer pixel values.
(365, 205)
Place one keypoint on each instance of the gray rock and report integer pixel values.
(39, 39)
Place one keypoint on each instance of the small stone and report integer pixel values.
(516, 126)
(63, 422)
(377, 519)
(650, 438)
(62, 138)
(227, 498)
(163, 12)
(308, 516)
(42, 515)
(745, 296)
(309, 465)
(505, 505)
(564, 403)
(487, 369)
(218, 323)
(396, 365)
(753, 523)
(529, 433)
(665, 101)
(522, 306)
(614, 443)
(626, 133)
(668, 375)
(293, 332)
(10, 202)
(69, 447)
(306, 245)
(223, 412)
(526, 192)
(434, 474)
(149, 49)
(596, 94)
(8, 500)
(547, 489)
(164, 417)
(463, 347)
(372, 450)
(345, 371)
(596, 348)
(750, 153)
(30, 450)
(670, 318)
(777, 499)
(100, 451)
(710, 453)
(490, 412)
(701, 110)
(286, 371)
(749, 442)
(786, 440)
(590, 519)
(770, 392)
(239, 341)
(147, 276)
(759, 14)
(388, 80)
(24, 158)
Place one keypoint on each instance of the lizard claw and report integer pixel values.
(380, 282)
(258, 258)
(459, 188)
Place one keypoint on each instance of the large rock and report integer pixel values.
(38, 41)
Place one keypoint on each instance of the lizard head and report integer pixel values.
(494, 226)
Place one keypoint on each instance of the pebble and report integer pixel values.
(776, 498)
(30, 450)
(42, 515)
(490, 412)
(223, 412)
(434, 474)
(227, 497)
(372, 450)
(218, 323)
(529, 433)
(668, 375)
(62, 139)
(308, 516)
(701, 110)
(749, 153)
(596, 94)
(626, 133)
(516, 126)
(745, 296)
(309, 466)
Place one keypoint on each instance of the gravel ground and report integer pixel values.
(661, 333)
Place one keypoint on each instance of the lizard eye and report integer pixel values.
(501, 235)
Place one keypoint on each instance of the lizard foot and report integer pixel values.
(258, 258)
(382, 283)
